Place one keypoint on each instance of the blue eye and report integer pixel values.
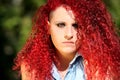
(75, 25)
(60, 24)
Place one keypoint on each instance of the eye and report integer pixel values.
(60, 24)
(75, 25)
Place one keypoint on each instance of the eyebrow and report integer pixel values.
(59, 21)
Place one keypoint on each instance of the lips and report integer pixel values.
(68, 42)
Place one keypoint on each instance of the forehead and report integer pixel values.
(61, 12)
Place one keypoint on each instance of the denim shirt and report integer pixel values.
(75, 70)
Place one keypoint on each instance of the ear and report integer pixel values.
(48, 23)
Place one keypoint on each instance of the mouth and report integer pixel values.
(68, 42)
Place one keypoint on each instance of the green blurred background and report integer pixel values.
(15, 25)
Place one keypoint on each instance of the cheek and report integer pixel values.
(75, 37)
(57, 38)
(78, 42)
(54, 37)
(55, 41)
(56, 33)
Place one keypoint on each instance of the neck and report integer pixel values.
(64, 61)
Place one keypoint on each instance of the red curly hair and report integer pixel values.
(100, 44)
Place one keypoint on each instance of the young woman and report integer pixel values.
(71, 40)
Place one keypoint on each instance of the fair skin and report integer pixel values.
(63, 31)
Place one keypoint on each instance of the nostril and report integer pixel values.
(68, 37)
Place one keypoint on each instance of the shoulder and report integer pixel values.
(26, 72)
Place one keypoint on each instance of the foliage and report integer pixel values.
(15, 25)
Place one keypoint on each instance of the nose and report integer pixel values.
(68, 33)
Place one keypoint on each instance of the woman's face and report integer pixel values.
(63, 31)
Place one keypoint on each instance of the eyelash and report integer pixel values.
(60, 24)
(75, 25)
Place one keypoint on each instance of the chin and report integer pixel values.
(69, 51)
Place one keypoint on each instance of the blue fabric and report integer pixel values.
(75, 70)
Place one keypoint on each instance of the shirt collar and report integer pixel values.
(75, 58)
(76, 61)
